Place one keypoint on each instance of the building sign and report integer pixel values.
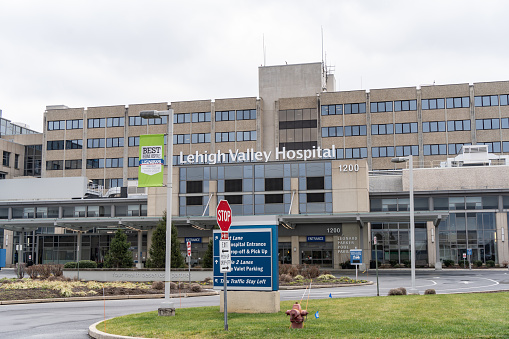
(150, 170)
(316, 238)
(345, 244)
(356, 257)
(195, 239)
(250, 155)
(253, 254)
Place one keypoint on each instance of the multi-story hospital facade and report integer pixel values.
(317, 158)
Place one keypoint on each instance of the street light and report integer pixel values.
(412, 212)
(168, 307)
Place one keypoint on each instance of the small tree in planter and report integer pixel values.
(119, 255)
(157, 252)
(207, 258)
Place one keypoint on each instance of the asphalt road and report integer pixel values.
(72, 319)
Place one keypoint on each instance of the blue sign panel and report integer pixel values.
(469, 251)
(356, 257)
(253, 259)
(3, 253)
(195, 239)
(316, 238)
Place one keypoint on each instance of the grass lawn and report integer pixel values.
(480, 315)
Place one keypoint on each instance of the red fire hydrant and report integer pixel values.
(297, 316)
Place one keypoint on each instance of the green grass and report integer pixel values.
(480, 315)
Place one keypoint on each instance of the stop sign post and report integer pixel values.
(224, 220)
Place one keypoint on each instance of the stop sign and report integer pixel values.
(224, 215)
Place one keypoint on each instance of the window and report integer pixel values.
(458, 125)
(118, 182)
(247, 114)
(95, 163)
(384, 106)
(493, 147)
(352, 153)
(332, 109)
(409, 127)
(74, 124)
(134, 141)
(16, 161)
(403, 151)
(200, 138)
(233, 185)
(382, 129)
(433, 104)
(114, 162)
(381, 152)
(355, 130)
(137, 121)
(487, 124)
(234, 199)
(273, 198)
(54, 165)
(433, 126)
(439, 149)
(74, 144)
(133, 161)
(115, 142)
(273, 184)
(355, 108)
(6, 158)
(225, 136)
(115, 122)
(56, 125)
(193, 201)
(95, 143)
(158, 121)
(181, 139)
(462, 102)
(225, 115)
(405, 105)
(486, 100)
(246, 136)
(336, 131)
(73, 164)
(504, 100)
(97, 123)
(195, 186)
(181, 118)
(315, 183)
(315, 197)
(55, 145)
(455, 148)
(201, 117)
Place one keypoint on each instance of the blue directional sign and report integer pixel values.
(253, 259)
(355, 257)
(469, 251)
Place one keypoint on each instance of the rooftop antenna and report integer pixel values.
(264, 51)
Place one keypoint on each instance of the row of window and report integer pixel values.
(439, 203)
(247, 114)
(6, 160)
(356, 108)
(182, 118)
(491, 100)
(92, 123)
(74, 211)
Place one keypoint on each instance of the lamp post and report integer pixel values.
(412, 214)
(167, 307)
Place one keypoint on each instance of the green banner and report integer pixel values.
(150, 169)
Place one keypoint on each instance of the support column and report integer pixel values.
(78, 247)
(438, 263)
(295, 250)
(502, 237)
(140, 237)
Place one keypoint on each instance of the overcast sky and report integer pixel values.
(120, 52)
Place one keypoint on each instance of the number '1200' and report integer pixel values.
(349, 168)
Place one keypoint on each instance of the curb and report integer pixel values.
(93, 332)
(324, 286)
(109, 297)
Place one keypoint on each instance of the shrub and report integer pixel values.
(393, 263)
(477, 263)
(299, 277)
(56, 270)
(395, 291)
(32, 272)
(195, 288)
(403, 290)
(462, 264)
(490, 263)
(71, 264)
(285, 278)
(345, 265)
(505, 263)
(448, 263)
(311, 271)
(207, 280)
(430, 291)
(326, 277)
(173, 286)
(88, 264)
(44, 271)
(158, 285)
(407, 263)
(288, 269)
